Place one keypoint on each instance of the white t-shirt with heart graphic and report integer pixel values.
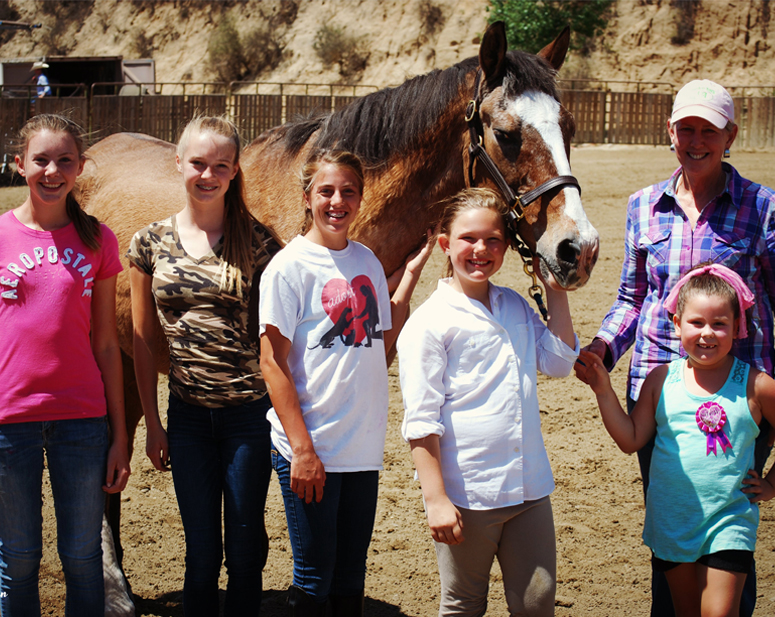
(334, 307)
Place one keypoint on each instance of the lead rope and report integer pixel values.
(535, 291)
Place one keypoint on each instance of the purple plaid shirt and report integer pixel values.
(736, 229)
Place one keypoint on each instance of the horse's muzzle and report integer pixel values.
(572, 262)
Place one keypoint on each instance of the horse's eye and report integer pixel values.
(506, 140)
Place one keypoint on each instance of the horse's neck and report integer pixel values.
(436, 162)
(407, 193)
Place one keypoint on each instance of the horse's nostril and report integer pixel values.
(568, 252)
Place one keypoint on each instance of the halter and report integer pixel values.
(516, 203)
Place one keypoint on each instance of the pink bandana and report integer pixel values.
(744, 294)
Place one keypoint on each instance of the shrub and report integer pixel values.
(261, 51)
(431, 17)
(66, 9)
(225, 52)
(53, 40)
(232, 57)
(8, 12)
(684, 20)
(531, 24)
(287, 12)
(142, 44)
(333, 46)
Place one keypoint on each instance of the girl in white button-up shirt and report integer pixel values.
(469, 358)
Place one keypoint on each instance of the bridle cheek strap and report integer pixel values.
(516, 203)
(476, 151)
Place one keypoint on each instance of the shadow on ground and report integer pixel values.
(272, 605)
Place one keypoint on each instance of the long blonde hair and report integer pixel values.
(87, 226)
(238, 223)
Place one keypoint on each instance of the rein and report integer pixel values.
(516, 203)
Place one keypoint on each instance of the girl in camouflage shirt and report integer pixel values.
(195, 271)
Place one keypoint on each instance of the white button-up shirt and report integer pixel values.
(469, 376)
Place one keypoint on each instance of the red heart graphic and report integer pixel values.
(339, 295)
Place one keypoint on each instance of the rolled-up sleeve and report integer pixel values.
(422, 363)
(554, 357)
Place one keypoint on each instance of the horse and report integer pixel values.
(493, 120)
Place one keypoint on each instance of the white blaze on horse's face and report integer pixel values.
(542, 112)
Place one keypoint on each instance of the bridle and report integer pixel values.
(516, 203)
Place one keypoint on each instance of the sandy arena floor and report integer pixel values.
(602, 564)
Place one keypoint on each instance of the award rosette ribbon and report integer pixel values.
(711, 419)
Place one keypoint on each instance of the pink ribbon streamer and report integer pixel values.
(711, 419)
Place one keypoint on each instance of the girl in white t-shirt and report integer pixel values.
(468, 362)
(327, 321)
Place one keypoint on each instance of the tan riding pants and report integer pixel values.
(522, 538)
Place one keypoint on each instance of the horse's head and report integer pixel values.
(527, 132)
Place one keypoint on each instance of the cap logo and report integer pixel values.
(706, 93)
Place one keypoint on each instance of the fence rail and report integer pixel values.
(603, 112)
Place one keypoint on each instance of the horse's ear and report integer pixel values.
(554, 52)
(493, 50)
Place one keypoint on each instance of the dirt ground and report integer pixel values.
(601, 561)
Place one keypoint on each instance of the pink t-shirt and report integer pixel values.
(47, 368)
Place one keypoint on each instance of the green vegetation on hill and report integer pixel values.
(530, 24)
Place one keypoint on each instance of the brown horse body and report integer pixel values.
(413, 140)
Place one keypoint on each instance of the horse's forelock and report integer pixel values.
(524, 71)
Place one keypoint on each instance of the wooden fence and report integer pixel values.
(602, 116)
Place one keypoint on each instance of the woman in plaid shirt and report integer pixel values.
(704, 212)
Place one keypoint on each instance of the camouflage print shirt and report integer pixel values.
(213, 361)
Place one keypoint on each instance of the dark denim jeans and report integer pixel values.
(76, 451)
(661, 600)
(221, 455)
(330, 539)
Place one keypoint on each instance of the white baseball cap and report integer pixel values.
(705, 99)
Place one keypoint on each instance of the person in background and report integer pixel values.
(40, 79)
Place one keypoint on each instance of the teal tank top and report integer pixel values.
(694, 505)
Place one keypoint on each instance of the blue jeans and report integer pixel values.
(221, 455)
(330, 539)
(76, 451)
(661, 599)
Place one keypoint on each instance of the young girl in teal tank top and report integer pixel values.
(701, 510)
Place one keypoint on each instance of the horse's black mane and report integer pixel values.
(391, 120)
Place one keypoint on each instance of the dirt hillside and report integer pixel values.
(383, 43)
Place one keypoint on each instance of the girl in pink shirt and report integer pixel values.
(60, 369)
